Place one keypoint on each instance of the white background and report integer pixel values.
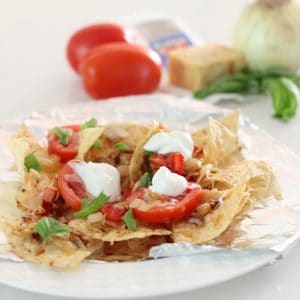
(34, 75)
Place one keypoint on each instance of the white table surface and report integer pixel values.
(34, 75)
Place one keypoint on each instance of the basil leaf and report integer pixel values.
(283, 98)
(62, 134)
(48, 227)
(97, 144)
(89, 124)
(257, 82)
(91, 205)
(121, 146)
(225, 85)
(31, 162)
(129, 220)
(145, 180)
(149, 153)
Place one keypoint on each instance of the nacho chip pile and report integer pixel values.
(229, 185)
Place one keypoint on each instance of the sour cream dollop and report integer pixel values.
(167, 183)
(173, 141)
(99, 177)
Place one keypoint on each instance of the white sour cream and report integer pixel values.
(168, 183)
(99, 177)
(173, 141)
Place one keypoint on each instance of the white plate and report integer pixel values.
(132, 279)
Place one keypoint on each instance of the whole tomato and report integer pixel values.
(119, 69)
(91, 36)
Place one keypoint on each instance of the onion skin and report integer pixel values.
(268, 32)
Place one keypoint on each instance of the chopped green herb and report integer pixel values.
(129, 220)
(97, 144)
(121, 146)
(145, 180)
(149, 153)
(62, 134)
(48, 227)
(31, 162)
(89, 124)
(91, 205)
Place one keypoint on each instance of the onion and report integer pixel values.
(268, 32)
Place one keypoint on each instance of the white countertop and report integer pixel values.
(34, 75)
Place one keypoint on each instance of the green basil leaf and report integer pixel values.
(129, 220)
(283, 98)
(97, 144)
(91, 205)
(62, 134)
(48, 227)
(121, 146)
(145, 180)
(226, 85)
(31, 162)
(149, 153)
(89, 124)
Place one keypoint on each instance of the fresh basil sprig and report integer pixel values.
(62, 134)
(31, 162)
(91, 205)
(284, 100)
(257, 82)
(48, 227)
(89, 124)
(129, 220)
(145, 180)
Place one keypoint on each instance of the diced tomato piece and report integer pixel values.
(49, 196)
(173, 161)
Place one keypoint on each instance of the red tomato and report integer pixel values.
(91, 36)
(65, 152)
(169, 210)
(174, 161)
(112, 213)
(49, 195)
(119, 69)
(71, 187)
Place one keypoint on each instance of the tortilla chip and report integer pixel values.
(258, 175)
(24, 143)
(220, 144)
(137, 159)
(121, 234)
(59, 253)
(87, 137)
(113, 234)
(20, 145)
(213, 223)
(231, 122)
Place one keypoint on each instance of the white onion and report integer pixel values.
(268, 32)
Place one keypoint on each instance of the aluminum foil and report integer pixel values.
(274, 227)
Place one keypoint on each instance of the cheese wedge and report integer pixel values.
(196, 67)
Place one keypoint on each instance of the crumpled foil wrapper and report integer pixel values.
(274, 227)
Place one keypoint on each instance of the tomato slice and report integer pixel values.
(65, 152)
(71, 187)
(171, 209)
(174, 161)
